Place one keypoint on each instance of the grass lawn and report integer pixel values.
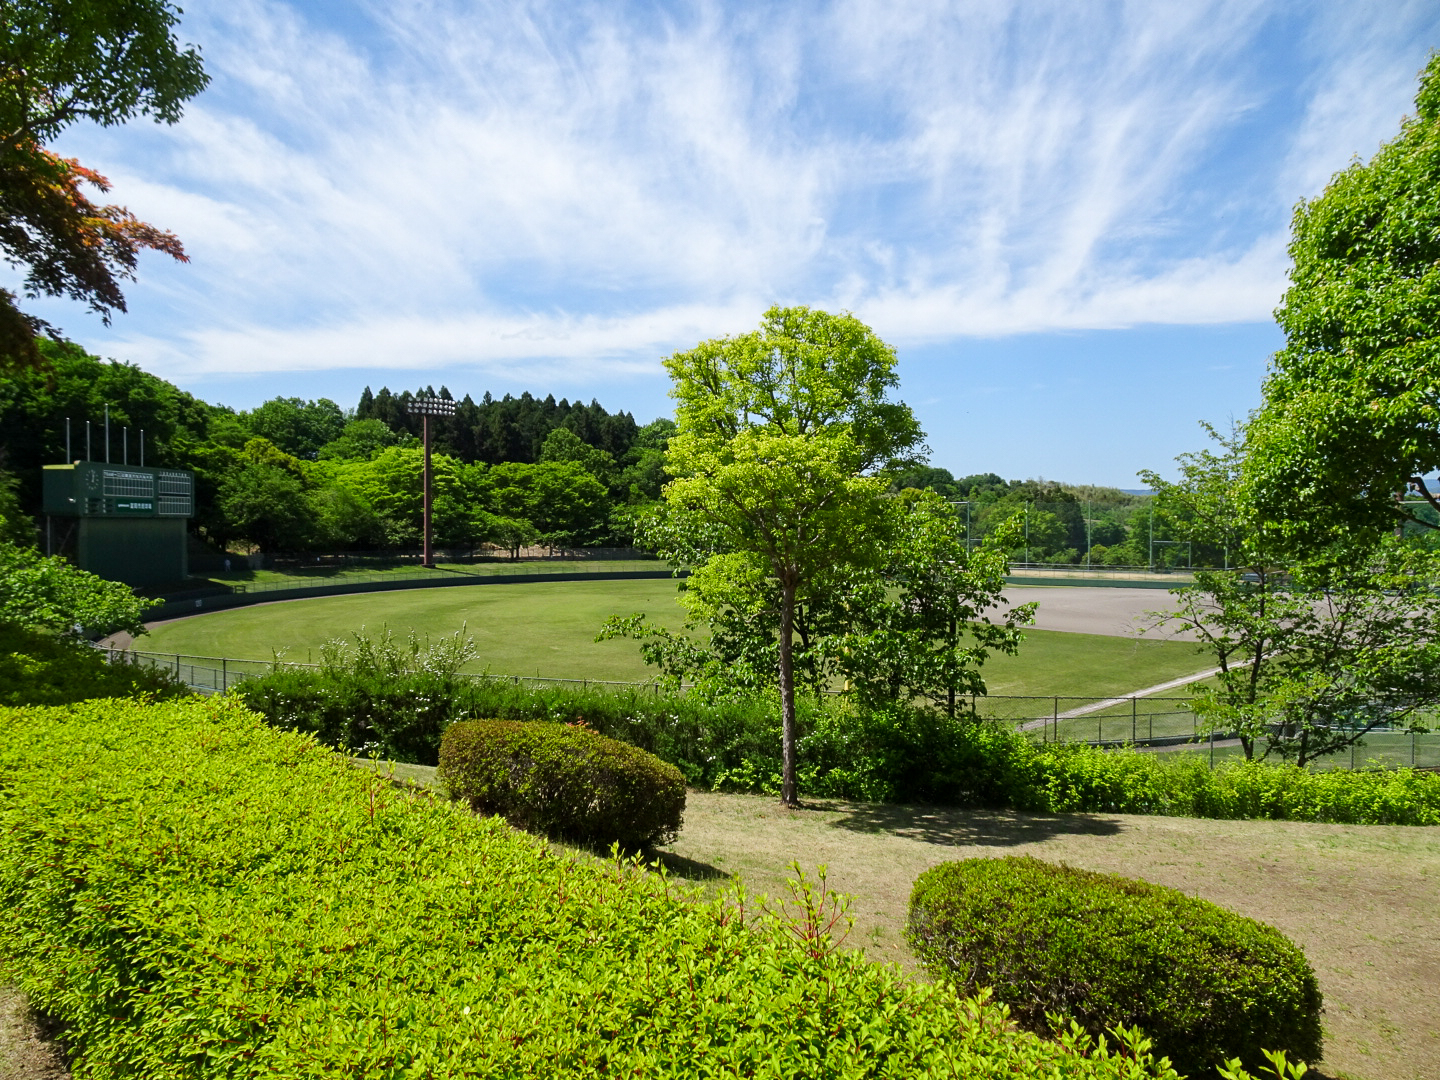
(542, 628)
(1085, 666)
(1359, 899)
(548, 629)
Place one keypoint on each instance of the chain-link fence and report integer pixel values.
(216, 674)
(1159, 724)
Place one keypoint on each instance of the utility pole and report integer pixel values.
(425, 408)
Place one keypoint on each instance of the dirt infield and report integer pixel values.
(1076, 609)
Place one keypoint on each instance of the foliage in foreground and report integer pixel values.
(40, 668)
(563, 781)
(1058, 945)
(194, 894)
(45, 592)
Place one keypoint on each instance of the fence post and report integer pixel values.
(224, 674)
(1352, 755)
(1212, 748)
(1412, 748)
(1057, 718)
(1134, 722)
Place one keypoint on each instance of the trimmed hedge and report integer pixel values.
(563, 781)
(1204, 983)
(193, 894)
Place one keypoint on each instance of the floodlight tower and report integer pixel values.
(425, 408)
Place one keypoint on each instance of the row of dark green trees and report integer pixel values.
(296, 476)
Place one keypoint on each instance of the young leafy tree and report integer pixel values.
(782, 439)
(1351, 416)
(1313, 653)
(918, 627)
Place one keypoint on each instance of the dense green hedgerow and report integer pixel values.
(563, 781)
(38, 667)
(403, 718)
(192, 893)
(1069, 778)
(897, 754)
(1206, 984)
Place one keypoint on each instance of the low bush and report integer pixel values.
(39, 667)
(563, 781)
(193, 894)
(911, 755)
(1205, 984)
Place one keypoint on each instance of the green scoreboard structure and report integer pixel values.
(122, 522)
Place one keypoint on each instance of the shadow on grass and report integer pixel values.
(979, 828)
(690, 869)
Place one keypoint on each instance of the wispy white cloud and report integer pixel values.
(439, 184)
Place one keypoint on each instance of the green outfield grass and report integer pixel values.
(548, 629)
(542, 628)
(1089, 665)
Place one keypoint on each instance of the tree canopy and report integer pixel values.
(108, 62)
(1351, 413)
(62, 61)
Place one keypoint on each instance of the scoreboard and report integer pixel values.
(91, 489)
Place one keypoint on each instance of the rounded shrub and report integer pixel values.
(563, 781)
(1204, 983)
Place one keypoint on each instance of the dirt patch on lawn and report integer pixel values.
(28, 1050)
(1362, 901)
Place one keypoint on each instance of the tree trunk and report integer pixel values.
(789, 791)
(953, 643)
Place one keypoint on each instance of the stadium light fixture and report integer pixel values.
(425, 408)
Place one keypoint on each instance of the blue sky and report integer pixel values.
(1069, 217)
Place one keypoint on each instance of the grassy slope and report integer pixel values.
(1357, 898)
(548, 628)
